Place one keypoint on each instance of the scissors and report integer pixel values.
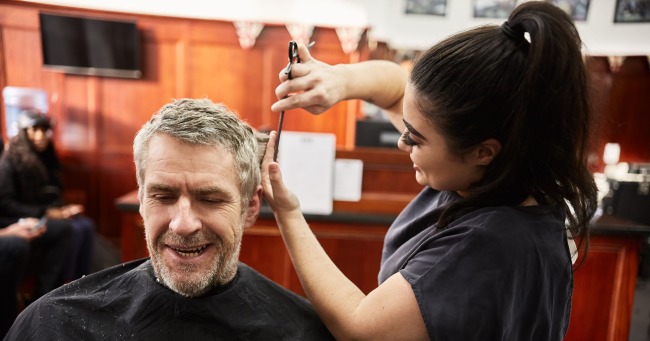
(293, 58)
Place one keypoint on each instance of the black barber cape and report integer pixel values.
(126, 302)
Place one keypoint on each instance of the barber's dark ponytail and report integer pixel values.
(523, 83)
(556, 99)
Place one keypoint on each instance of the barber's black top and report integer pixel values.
(497, 273)
(126, 302)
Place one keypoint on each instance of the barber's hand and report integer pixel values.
(279, 197)
(23, 229)
(315, 86)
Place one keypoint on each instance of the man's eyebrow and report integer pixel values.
(157, 187)
(212, 190)
(412, 130)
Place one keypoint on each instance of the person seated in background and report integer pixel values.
(21, 241)
(14, 253)
(31, 186)
(198, 175)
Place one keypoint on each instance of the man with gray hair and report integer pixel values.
(198, 177)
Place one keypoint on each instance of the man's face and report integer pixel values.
(192, 212)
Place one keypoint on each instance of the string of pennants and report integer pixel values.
(248, 32)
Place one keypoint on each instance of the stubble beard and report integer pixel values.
(189, 279)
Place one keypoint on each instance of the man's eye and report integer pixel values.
(212, 200)
(163, 197)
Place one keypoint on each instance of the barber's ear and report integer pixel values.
(253, 209)
(487, 151)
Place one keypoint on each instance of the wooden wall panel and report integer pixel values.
(622, 107)
(604, 289)
(19, 45)
(124, 105)
(74, 130)
(97, 117)
(232, 77)
(629, 109)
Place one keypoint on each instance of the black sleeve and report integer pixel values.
(10, 206)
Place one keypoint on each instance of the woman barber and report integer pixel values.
(496, 121)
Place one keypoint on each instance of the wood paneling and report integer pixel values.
(622, 107)
(603, 292)
(354, 248)
(97, 117)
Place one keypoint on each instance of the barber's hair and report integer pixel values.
(202, 122)
(523, 83)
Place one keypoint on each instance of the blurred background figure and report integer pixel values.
(15, 242)
(30, 186)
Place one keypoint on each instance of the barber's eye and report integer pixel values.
(406, 138)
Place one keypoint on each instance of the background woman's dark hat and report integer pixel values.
(33, 118)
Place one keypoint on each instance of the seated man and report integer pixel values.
(199, 187)
(14, 254)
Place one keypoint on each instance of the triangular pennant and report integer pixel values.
(248, 32)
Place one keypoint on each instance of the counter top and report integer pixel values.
(611, 224)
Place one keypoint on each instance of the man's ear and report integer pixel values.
(253, 209)
(486, 151)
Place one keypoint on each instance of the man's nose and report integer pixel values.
(185, 221)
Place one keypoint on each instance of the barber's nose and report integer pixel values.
(185, 221)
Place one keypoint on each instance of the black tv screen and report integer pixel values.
(88, 46)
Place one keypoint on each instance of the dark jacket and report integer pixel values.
(29, 181)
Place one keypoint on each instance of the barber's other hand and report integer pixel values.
(279, 197)
(315, 86)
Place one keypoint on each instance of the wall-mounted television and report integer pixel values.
(88, 46)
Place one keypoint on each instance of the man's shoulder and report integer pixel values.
(68, 310)
(89, 287)
(279, 306)
(252, 279)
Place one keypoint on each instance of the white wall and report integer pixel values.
(599, 32)
(385, 17)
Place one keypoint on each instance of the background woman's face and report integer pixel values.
(39, 137)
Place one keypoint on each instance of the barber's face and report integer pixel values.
(192, 212)
(39, 137)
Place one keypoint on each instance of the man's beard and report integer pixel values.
(191, 280)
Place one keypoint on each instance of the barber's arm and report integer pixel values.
(389, 312)
(317, 86)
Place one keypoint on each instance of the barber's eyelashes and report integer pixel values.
(406, 138)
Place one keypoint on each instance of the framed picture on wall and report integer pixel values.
(426, 7)
(577, 9)
(493, 8)
(632, 11)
